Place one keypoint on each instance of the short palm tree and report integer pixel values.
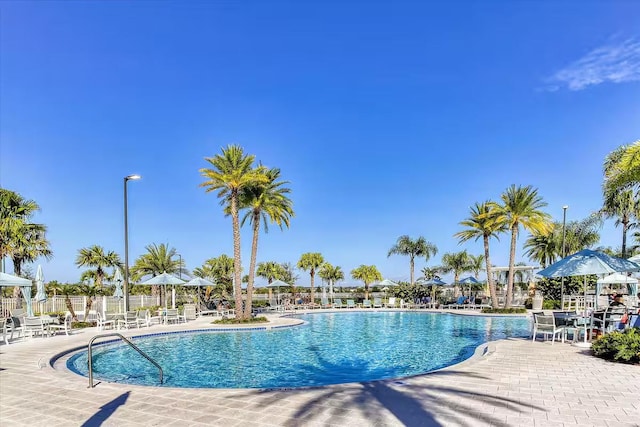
(483, 223)
(331, 274)
(96, 257)
(90, 291)
(419, 247)
(265, 202)
(456, 263)
(232, 171)
(270, 270)
(368, 274)
(521, 206)
(66, 290)
(310, 262)
(624, 206)
(157, 260)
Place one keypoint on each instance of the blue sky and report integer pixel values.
(388, 118)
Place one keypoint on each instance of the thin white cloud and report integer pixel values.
(615, 63)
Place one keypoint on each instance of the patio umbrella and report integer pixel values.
(278, 284)
(117, 280)
(41, 294)
(588, 262)
(615, 278)
(434, 282)
(164, 279)
(469, 281)
(199, 281)
(387, 282)
(9, 280)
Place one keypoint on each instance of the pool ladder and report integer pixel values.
(132, 345)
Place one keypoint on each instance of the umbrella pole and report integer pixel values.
(584, 344)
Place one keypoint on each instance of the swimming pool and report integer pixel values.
(330, 348)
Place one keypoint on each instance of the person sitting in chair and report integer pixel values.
(617, 301)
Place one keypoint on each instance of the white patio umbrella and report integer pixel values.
(588, 262)
(618, 278)
(199, 281)
(164, 279)
(387, 282)
(41, 294)
(9, 280)
(117, 281)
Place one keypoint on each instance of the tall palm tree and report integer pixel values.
(265, 202)
(483, 223)
(95, 256)
(622, 169)
(476, 265)
(232, 171)
(456, 263)
(368, 274)
(32, 245)
(331, 274)
(419, 247)
(521, 206)
(16, 213)
(270, 270)
(310, 262)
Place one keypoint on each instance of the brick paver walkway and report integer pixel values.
(516, 383)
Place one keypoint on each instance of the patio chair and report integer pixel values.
(337, 303)
(65, 326)
(546, 324)
(351, 303)
(172, 315)
(377, 303)
(391, 303)
(366, 303)
(3, 330)
(15, 326)
(324, 303)
(143, 318)
(129, 319)
(189, 312)
(610, 320)
(105, 322)
(35, 326)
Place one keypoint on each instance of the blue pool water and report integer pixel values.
(330, 348)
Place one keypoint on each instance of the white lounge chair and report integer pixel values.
(366, 303)
(130, 319)
(104, 323)
(171, 315)
(351, 303)
(391, 303)
(337, 303)
(65, 326)
(189, 312)
(35, 326)
(377, 303)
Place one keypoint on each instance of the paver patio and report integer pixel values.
(514, 383)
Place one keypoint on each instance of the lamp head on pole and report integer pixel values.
(132, 177)
(565, 207)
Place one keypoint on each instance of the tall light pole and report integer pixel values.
(126, 243)
(564, 223)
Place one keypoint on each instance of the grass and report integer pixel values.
(234, 321)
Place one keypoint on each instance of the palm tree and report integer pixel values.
(310, 261)
(622, 169)
(270, 270)
(95, 256)
(266, 202)
(413, 248)
(66, 290)
(157, 260)
(30, 247)
(483, 223)
(430, 273)
(15, 220)
(232, 171)
(90, 292)
(330, 274)
(521, 206)
(476, 265)
(624, 206)
(456, 263)
(368, 274)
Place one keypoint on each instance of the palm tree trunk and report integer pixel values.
(67, 301)
(237, 266)
(512, 262)
(625, 227)
(252, 266)
(17, 271)
(366, 290)
(456, 289)
(313, 295)
(492, 286)
(411, 266)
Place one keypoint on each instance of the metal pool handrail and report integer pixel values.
(132, 345)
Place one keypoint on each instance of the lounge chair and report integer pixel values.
(324, 303)
(546, 324)
(391, 303)
(188, 312)
(143, 318)
(108, 321)
(377, 303)
(337, 303)
(130, 319)
(351, 303)
(366, 303)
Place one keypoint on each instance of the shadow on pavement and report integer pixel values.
(106, 410)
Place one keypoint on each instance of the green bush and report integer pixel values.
(260, 319)
(619, 346)
(550, 304)
(82, 325)
(512, 310)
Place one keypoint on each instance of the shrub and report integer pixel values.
(511, 310)
(551, 304)
(619, 346)
(82, 325)
(227, 321)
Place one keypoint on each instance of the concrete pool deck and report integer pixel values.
(515, 382)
